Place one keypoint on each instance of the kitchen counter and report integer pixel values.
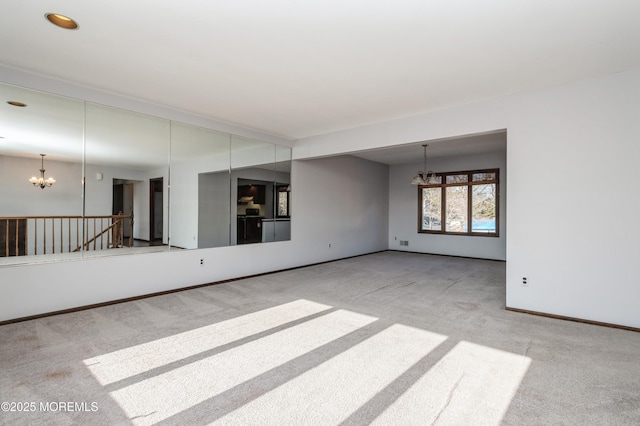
(278, 229)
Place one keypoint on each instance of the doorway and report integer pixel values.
(156, 202)
(123, 201)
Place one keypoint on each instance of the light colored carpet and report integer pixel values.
(390, 338)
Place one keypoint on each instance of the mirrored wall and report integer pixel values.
(124, 182)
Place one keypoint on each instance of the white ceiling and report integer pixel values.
(414, 153)
(300, 68)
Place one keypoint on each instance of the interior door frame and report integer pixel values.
(153, 184)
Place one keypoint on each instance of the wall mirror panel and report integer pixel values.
(282, 195)
(127, 174)
(252, 183)
(260, 182)
(40, 221)
(128, 183)
(200, 187)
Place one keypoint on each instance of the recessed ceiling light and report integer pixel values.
(61, 21)
(17, 104)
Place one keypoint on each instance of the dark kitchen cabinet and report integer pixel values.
(258, 192)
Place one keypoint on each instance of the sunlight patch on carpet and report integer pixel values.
(472, 384)
(160, 397)
(128, 362)
(332, 391)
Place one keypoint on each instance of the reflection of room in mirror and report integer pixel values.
(148, 181)
(257, 192)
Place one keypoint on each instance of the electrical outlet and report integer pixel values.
(525, 282)
(202, 261)
(329, 245)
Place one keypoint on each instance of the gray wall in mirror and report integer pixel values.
(177, 186)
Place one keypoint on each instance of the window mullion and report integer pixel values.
(469, 203)
(443, 209)
(469, 209)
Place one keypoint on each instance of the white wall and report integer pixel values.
(403, 209)
(18, 197)
(342, 201)
(566, 146)
(575, 237)
(214, 210)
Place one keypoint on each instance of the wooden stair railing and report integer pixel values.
(115, 238)
(30, 235)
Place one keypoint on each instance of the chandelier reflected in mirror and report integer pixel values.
(425, 176)
(41, 181)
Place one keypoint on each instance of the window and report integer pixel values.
(282, 201)
(460, 203)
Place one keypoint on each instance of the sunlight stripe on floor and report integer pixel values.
(472, 384)
(162, 396)
(124, 363)
(332, 391)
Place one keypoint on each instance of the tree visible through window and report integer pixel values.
(282, 202)
(461, 203)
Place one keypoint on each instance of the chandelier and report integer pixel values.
(424, 177)
(41, 181)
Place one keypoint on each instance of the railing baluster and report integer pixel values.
(6, 249)
(29, 239)
(17, 248)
